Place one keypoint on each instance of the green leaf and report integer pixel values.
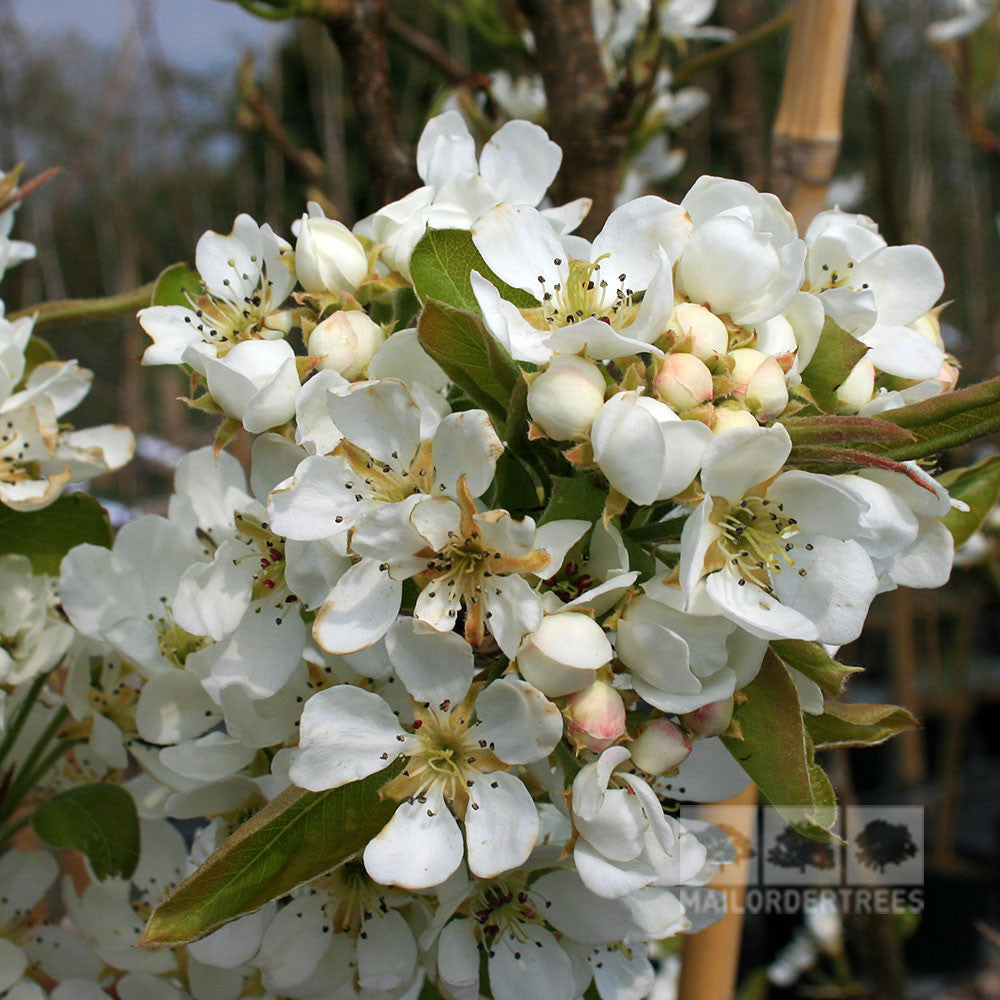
(295, 838)
(977, 485)
(946, 421)
(857, 725)
(811, 659)
(777, 753)
(573, 498)
(832, 430)
(836, 354)
(46, 535)
(513, 487)
(174, 284)
(98, 820)
(36, 353)
(457, 341)
(440, 267)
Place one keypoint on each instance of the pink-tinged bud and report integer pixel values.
(565, 398)
(710, 720)
(858, 388)
(683, 382)
(767, 391)
(699, 331)
(595, 717)
(345, 342)
(660, 747)
(729, 416)
(948, 376)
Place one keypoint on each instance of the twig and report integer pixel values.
(309, 164)
(432, 52)
(63, 311)
(358, 30)
(586, 115)
(29, 187)
(713, 57)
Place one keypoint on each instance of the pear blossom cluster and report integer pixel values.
(535, 677)
(39, 454)
(514, 556)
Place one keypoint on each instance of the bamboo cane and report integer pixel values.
(809, 124)
(806, 141)
(710, 958)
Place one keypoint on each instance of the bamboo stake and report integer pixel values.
(710, 958)
(806, 142)
(808, 128)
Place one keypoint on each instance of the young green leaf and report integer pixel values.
(836, 354)
(573, 498)
(777, 753)
(440, 267)
(811, 659)
(46, 535)
(293, 839)
(174, 284)
(457, 341)
(946, 421)
(99, 820)
(977, 485)
(857, 725)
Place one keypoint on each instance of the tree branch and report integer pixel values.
(585, 114)
(62, 311)
(358, 29)
(453, 70)
(260, 114)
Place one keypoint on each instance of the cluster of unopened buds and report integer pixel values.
(515, 538)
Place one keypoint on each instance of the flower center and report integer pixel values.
(353, 895)
(175, 644)
(586, 294)
(504, 908)
(268, 550)
(225, 322)
(755, 538)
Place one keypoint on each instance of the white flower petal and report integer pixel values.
(576, 912)
(418, 848)
(433, 666)
(501, 824)
(520, 246)
(535, 968)
(359, 610)
(519, 163)
(513, 609)
(741, 458)
(345, 734)
(387, 953)
(519, 722)
(465, 444)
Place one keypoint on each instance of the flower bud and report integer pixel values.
(683, 381)
(328, 256)
(565, 398)
(948, 376)
(660, 747)
(700, 331)
(767, 391)
(858, 388)
(728, 415)
(929, 327)
(345, 342)
(564, 653)
(595, 717)
(710, 720)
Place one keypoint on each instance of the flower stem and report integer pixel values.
(23, 711)
(60, 312)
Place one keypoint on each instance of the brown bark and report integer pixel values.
(585, 113)
(358, 29)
